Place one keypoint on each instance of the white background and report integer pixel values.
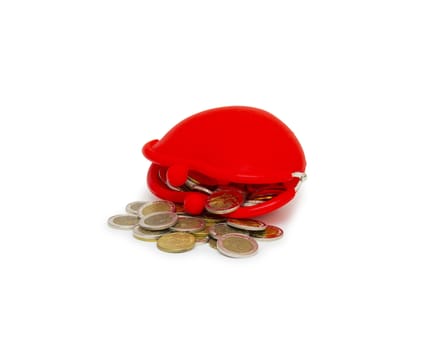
(84, 84)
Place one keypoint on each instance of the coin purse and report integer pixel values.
(239, 145)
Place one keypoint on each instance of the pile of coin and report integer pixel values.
(225, 199)
(166, 224)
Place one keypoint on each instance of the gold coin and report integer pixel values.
(237, 245)
(176, 242)
(123, 222)
(156, 207)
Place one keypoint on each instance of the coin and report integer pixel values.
(201, 239)
(176, 242)
(195, 186)
(252, 202)
(189, 224)
(221, 229)
(270, 233)
(212, 243)
(224, 201)
(202, 236)
(237, 245)
(247, 224)
(156, 207)
(204, 232)
(133, 207)
(158, 221)
(123, 222)
(266, 192)
(147, 235)
(212, 218)
(162, 176)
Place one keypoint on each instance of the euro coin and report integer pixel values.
(189, 224)
(236, 245)
(204, 232)
(156, 207)
(247, 224)
(195, 186)
(147, 235)
(201, 239)
(224, 201)
(212, 218)
(266, 192)
(162, 176)
(158, 221)
(252, 202)
(176, 242)
(212, 243)
(270, 233)
(123, 222)
(202, 236)
(132, 208)
(221, 229)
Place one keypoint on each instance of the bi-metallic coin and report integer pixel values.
(220, 229)
(236, 245)
(189, 224)
(123, 222)
(156, 207)
(224, 201)
(247, 224)
(147, 235)
(132, 208)
(269, 234)
(158, 221)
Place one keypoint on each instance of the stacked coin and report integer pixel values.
(163, 222)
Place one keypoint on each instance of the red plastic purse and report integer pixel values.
(238, 145)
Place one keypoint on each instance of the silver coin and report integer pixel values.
(156, 207)
(197, 187)
(224, 201)
(158, 221)
(133, 208)
(123, 222)
(247, 224)
(220, 229)
(237, 245)
(252, 202)
(189, 224)
(147, 235)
